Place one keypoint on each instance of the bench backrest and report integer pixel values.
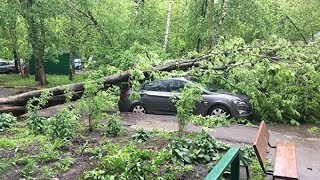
(260, 144)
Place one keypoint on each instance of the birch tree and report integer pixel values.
(166, 35)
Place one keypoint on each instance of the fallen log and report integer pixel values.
(16, 104)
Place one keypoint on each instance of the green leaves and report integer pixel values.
(6, 121)
(63, 125)
(185, 105)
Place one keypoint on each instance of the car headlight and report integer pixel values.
(238, 101)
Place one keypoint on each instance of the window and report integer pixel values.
(156, 86)
(177, 85)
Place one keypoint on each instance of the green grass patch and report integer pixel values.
(15, 80)
(22, 136)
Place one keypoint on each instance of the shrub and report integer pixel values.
(114, 126)
(6, 121)
(36, 124)
(141, 135)
(203, 149)
(63, 125)
(127, 163)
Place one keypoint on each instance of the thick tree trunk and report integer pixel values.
(166, 35)
(36, 33)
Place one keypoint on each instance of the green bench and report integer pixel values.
(233, 158)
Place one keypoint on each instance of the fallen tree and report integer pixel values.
(17, 104)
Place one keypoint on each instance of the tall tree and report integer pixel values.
(222, 17)
(210, 24)
(36, 34)
(166, 35)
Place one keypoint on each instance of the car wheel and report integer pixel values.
(138, 108)
(219, 111)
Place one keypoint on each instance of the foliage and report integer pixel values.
(63, 125)
(6, 121)
(211, 121)
(128, 163)
(141, 135)
(35, 122)
(63, 164)
(114, 125)
(185, 106)
(313, 129)
(3, 166)
(247, 152)
(94, 101)
(28, 170)
(281, 78)
(203, 149)
(48, 153)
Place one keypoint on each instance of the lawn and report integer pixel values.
(15, 80)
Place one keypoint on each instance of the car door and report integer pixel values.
(175, 87)
(155, 96)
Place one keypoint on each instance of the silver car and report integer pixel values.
(7, 67)
(156, 97)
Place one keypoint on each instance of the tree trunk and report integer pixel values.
(203, 15)
(222, 17)
(36, 33)
(71, 39)
(210, 24)
(166, 35)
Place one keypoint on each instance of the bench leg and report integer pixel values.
(235, 168)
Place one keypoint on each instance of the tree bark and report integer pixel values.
(224, 12)
(166, 35)
(203, 15)
(210, 24)
(36, 32)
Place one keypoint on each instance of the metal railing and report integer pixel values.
(232, 157)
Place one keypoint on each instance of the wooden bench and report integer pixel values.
(285, 164)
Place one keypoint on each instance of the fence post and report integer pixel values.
(235, 168)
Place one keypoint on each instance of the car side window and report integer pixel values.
(156, 86)
(2, 63)
(177, 86)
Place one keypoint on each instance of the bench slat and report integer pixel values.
(285, 161)
(261, 142)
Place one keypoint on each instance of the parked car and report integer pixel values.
(78, 64)
(156, 98)
(7, 67)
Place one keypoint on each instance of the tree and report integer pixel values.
(166, 35)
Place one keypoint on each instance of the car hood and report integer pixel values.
(229, 93)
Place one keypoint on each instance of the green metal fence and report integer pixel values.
(232, 157)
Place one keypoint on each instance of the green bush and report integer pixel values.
(6, 121)
(141, 135)
(114, 125)
(36, 124)
(63, 125)
(128, 163)
(203, 149)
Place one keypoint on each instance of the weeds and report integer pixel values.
(140, 136)
(6, 121)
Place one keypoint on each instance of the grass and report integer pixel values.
(15, 80)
